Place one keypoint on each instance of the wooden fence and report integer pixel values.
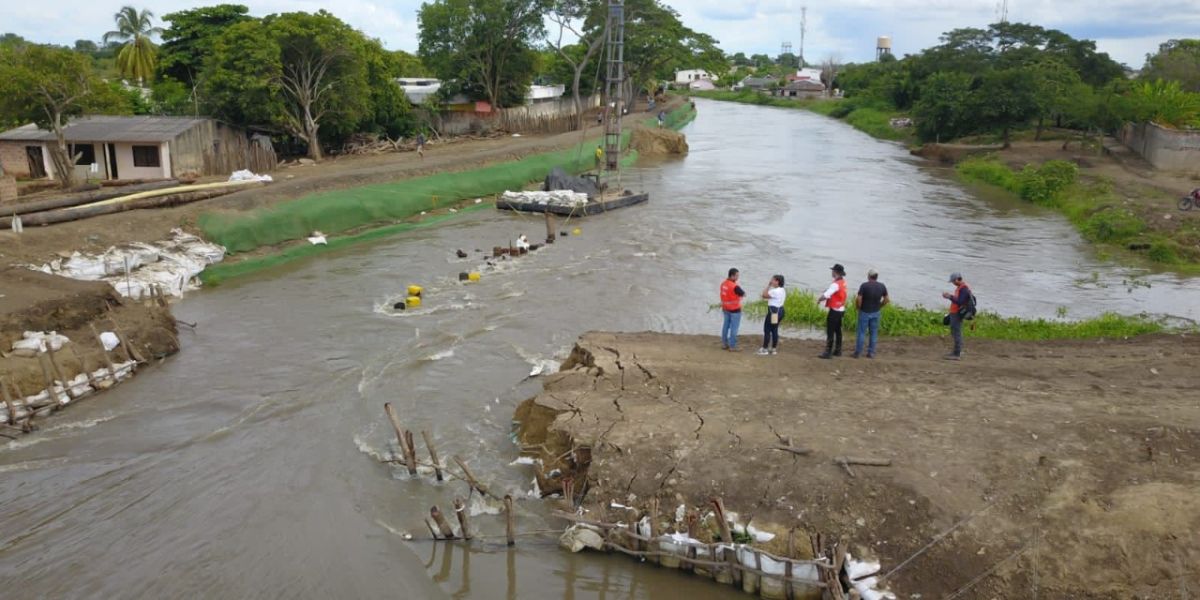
(554, 116)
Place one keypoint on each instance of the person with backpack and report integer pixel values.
(962, 308)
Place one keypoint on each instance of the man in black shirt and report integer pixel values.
(872, 297)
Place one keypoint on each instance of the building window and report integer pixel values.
(86, 153)
(145, 156)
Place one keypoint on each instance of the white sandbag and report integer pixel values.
(580, 536)
(566, 198)
(36, 341)
(110, 340)
(248, 175)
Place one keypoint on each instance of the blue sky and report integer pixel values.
(843, 29)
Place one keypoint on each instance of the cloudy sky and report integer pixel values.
(846, 29)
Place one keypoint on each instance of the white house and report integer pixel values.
(687, 76)
(417, 89)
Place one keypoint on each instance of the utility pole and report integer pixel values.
(803, 28)
(1002, 11)
(614, 85)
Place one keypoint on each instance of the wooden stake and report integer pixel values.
(460, 509)
(391, 414)
(83, 365)
(410, 453)
(653, 514)
(443, 526)
(112, 370)
(722, 522)
(49, 380)
(58, 372)
(509, 520)
(482, 489)
(437, 466)
(789, 592)
(8, 403)
(549, 228)
(126, 343)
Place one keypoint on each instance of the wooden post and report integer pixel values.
(474, 483)
(437, 466)
(83, 365)
(443, 526)
(460, 509)
(49, 380)
(509, 521)
(789, 592)
(391, 413)
(112, 370)
(8, 403)
(410, 453)
(126, 343)
(549, 227)
(722, 522)
(58, 372)
(653, 544)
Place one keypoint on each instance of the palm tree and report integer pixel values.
(138, 54)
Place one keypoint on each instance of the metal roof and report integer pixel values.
(109, 128)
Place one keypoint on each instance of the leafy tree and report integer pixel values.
(570, 15)
(1163, 102)
(787, 59)
(240, 80)
(943, 112)
(1006, 99)
(1054, 81)
(389, 112)
(740, 60)
(189, 39)
(1176, 60)
(408, 65)
(11, 40)
(136, 59)
(86, 47)
(484, 46)
(49, 86)
(761, 61)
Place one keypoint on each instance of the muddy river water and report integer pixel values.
(246, 465)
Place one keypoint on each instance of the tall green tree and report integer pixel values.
(1054, 81)
(49, 86)
(138, 54)
(1176, 60)
(483, 46)
(1006, 99)
(189, 38)
(570, 16)
(943, 112)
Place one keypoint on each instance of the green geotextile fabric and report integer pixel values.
(336, 211)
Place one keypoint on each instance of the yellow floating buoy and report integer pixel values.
(473, 276)
(412, 301)
(576, 231)
(414, 290)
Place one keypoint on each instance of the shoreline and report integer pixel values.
(1044, 441)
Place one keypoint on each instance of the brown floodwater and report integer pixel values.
(247, 467)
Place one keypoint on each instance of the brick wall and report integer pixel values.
(12, 159)
(8, 188)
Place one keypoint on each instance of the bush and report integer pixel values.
(1113, 225)
(990, 171)
(1164, 251)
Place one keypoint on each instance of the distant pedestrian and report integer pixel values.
(774, 294)
(662, 118)
(599, 158)
(731, 310)
(872, 297)
(962, 306)
(834, 298)
(421, 145)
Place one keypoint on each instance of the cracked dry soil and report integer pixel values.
(1066, 469)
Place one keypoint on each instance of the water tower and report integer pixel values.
(883, 45)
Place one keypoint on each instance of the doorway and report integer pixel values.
(112, 162)
(37, 167)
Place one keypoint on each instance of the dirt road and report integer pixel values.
(1080, 460)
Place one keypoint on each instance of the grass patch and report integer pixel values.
(800, 308)
(869, 116)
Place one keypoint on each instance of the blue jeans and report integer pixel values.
(867, 322)
(729, 329)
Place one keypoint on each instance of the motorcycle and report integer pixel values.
(1190, 200)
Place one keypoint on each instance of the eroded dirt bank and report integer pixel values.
(1071, 469)
(35, 301)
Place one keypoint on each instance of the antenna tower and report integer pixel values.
(785, 48)
(613, 97)
(1002, 11)
(803, 28)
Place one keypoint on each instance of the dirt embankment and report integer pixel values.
(34, 301)
(650, 141)
(1065, 469)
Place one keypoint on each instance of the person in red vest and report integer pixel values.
(959, 299)
(731, 308)
(834, 298)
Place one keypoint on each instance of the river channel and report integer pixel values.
(246, 466)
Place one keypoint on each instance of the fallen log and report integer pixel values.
(86, 197)
(152, 199)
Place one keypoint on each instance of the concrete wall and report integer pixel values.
(1167, 149)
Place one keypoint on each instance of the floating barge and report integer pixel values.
(594, 207)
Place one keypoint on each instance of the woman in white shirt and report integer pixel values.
(774, 294)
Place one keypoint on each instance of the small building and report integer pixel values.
(687, 76)
(801, 88)
(138, 147)
(417, 89)
(702, 84)
(544, 93)
(751, 82)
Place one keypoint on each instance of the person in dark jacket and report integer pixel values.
(872, 297)
(958, 299)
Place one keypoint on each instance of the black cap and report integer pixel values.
(839, 269)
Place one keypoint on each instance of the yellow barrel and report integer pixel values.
(414, 290)
(412, 301)
(473, 276)
(577, 231)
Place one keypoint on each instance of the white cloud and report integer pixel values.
(1127, 29)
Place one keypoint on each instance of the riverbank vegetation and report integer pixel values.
(801, 308)
(868, 115)
(1097, 212)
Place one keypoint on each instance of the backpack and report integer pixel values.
(967, 311)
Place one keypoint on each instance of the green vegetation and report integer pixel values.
(138, 55)
(869, 116)
(1099, 214)
(801, 308)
